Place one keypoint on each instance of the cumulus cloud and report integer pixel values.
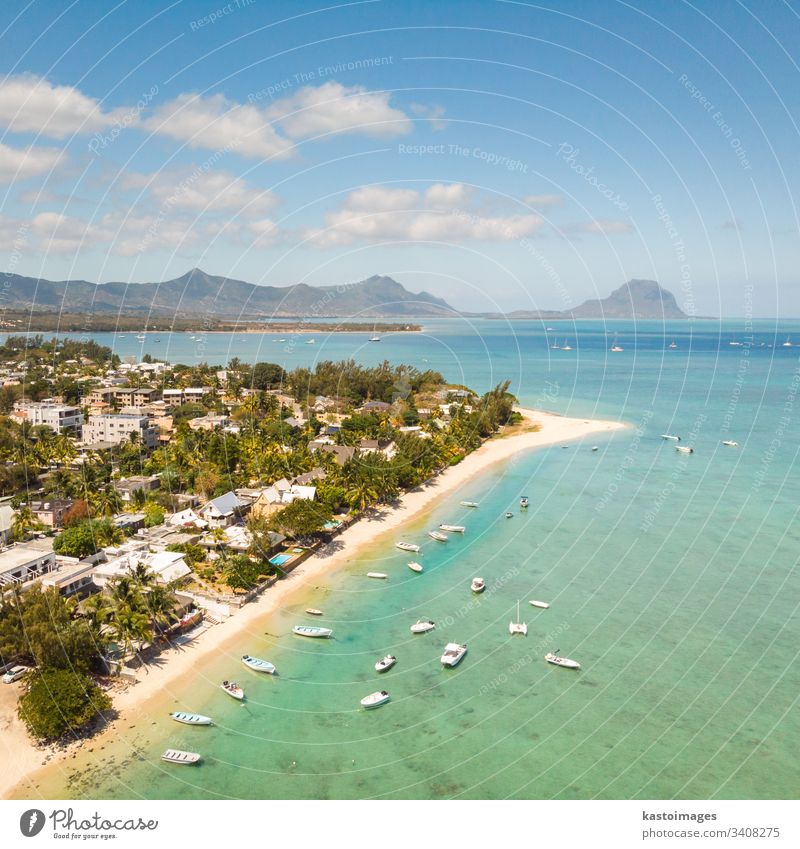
(377, 214)
(31, 104)
(216, 123)
(21, 163)
(335, 108)
(202, 191)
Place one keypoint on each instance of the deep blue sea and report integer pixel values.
(672, 578)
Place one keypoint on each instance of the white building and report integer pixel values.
(167, 566)
(26, 562)
(115, 429)
(62, 418)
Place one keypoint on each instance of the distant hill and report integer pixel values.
(639, 299)
(197, 293)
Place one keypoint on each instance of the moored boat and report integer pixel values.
(422, 626)
(374, 700)
(311, 631)
(543, 604)
(438, 536)
(478, 585)
(566, 662)
(414, 566)
(191, 718)
(380, 575)
(524, 502)
(258, 665)
(232, 689)
(453, 529)
(684, 449)
(453, 654)
(670, 436)
(518, 627)
(469, 503)
(509, 514)
(385, 663)
(730, 443)
(313, 611)
(176, 756)
(407, 546)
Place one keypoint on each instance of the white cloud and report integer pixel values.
(21, 163)
(334, 108)
(31, 104)
(543, 201)
(203, 191)
(216, 123)
(378, 214)
(434, 114)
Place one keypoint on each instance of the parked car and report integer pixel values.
(14, 674)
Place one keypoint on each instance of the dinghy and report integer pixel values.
(312, 611)
(684, 449)
(414, 566)
(176, 756)
(469, 503)
(191, 718)
(453, 529)
(478, 585)
(542, 604)
(524, 502)
(374, 700)
(258, 665)
(385, 663)
(438, 536)
(407, 546)
(311, 631)
(232, 689)
(422, 626)
(509, 515)
(566, 662)
(730, 443)
(379, 575)
(671, 437)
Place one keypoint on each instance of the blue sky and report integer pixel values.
(499, 154)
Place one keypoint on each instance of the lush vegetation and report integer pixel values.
(59, 701)
(86, 537)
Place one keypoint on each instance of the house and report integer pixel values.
(211, 421)
(223, 510)
(167, 566)
(197, 393)
(26, 561)
(51, 513)
(71, 579)
(62, 418)
(127, 486)
(341, 453)
(6, 522)
(293, 421)
(129, 522)
(374, 407)
(380, 446)
(185, 518)
(117, 428)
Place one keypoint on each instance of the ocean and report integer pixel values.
(672, 578)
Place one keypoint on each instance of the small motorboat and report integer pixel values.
(379, 575)
(478, 585)
(684, 449)
(191, 718)
(730, 443)
(543, 604)
(414, 566)
(422, 626)
(518, 627)
(617, 348)
(310, 342)
(438, 536)
(232, 689)
(524, 502)
(453, 529)
(671, 437)
(453, 654)
(407, 546)
(313, 611)
(374, 338)
(311, 631)
(385, 663)
(566, 662)
(673, 345)
(374, 700)
(469, 503)
(595, 448)
(258, 665)
(509, 514)
(176, 756)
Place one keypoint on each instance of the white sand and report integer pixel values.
(21, 758)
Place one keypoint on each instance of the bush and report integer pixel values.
(85, 538)
(58, 701)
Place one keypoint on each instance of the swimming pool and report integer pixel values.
(280, 559)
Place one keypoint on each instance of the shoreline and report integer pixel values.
(24, 760)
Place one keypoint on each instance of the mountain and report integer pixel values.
(197, 293)
(639, 299)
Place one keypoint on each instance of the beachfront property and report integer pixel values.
(166, 566)
(224, 510)
(386, 447)
(112, 429)
(71, 579)
(61, 418)
(26, 561)
(6, 523)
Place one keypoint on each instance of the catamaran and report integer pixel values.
(453, 529)
(311, 631)
(566, 662)
(258, 665)
(438, 536)
(232, 689)
(453, 654)
(374, 700)
(176, 756)
(518, 627)
(385, 663)
(407, 546)
(422, 626)
(191, 718)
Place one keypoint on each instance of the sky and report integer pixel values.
(501, 155)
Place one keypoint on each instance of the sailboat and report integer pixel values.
(673, 344)
(374, 337)
(518, 627)
(788, 342)
(615, 347)
(566, 346)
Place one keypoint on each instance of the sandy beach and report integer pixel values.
(22, 758)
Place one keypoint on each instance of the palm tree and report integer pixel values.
(360, 495)
(24, 522)
(106, 502)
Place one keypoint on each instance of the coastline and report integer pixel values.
(23, 760)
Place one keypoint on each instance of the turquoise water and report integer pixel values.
(672, 578)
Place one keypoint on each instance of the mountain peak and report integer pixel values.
(640, 299)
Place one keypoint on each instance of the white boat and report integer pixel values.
(524, 502)
(258, 665)
(380, 575)
(191, 718)
(453, 654)
(543, 604)
(374, 700)
(176, 756)
(518, 627)
(730, 443)
(385, 663)
(595, 448)
(310, 342)
(478, 585)
(684, 449)
(469, 503)
(141, 338)
(414, 566)
(232, 689)
(735, 344)
(566, 347)
(453, 529)
(509, 515)
(566, 662)
(422, 626)
(407, 546)
(374, 338)
(788, 342)
(311, 631)
(313, 611)
(438, 536)
(673, 344)
(671, 437)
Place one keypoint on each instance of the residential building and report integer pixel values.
(209, 422)
(167, 566)
(341, 453)
(62, 418)
(6, 522)
(224, 510)
(197, 393)
(72, 579)
(127, 486)
(380, 446)
(26, 561)
(116, 428)
(124, 396)
(51, 513)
